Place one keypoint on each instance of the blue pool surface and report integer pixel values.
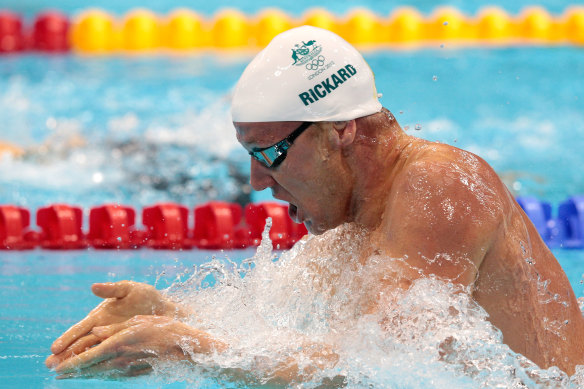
(141, 130)
(42, 293)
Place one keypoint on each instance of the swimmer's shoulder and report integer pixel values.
(442, 158)
(447, 172)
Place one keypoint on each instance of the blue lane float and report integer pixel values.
(566, 230)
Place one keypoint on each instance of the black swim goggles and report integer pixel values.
(273, 155)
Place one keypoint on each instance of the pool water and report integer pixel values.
(42, 293)
(122, 130)
(138, 130)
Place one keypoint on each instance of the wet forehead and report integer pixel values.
(265, 134)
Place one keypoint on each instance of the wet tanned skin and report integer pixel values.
(443, 209)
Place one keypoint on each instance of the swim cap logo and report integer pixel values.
(305, 53)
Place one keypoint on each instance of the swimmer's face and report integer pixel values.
(308, 178)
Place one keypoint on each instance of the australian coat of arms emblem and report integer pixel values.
(302, 53)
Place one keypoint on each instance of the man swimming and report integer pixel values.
(320, 140)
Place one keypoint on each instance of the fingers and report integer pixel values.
(105, 290)
(114, 352)
(84, 360)
(104, 332)
(115, 368)
(112, 289)
(73, 334)
(78, 347)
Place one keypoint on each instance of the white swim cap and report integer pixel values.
(305, 74)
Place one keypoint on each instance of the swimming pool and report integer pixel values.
(43, 293)
(139, 130)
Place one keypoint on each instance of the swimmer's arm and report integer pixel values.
(132, 347)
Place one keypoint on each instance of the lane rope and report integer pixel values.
(96, 31)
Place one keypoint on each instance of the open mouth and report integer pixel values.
(293, 212)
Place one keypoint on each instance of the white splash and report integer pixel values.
(268, 310)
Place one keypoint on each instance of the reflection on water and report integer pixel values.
(269, 310)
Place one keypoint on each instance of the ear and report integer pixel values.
(346, 132)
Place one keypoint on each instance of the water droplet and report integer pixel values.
(51, 123)
(406, 128)
(401, 112)
(97, 177)
(418, 127)
(445, 23)
(435, 78)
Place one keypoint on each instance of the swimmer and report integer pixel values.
(325, 145)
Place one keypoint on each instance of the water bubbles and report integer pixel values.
(51, 123)
(517, 186)
(418, 127)
(97, 177)
(435, 78)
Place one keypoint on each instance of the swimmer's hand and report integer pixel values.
(129, 348)
(124, 300)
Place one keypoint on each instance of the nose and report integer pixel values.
(260, 176)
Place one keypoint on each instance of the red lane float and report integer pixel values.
(13, 228)
(51, 32)
(11, 33)
(61, 227)
(110, 227)
(166, 227)
(217, 226)
(284, 232)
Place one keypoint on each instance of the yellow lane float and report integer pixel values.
(142, 31)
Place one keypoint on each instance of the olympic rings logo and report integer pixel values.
(315, 63)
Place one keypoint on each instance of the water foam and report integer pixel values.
(277, 312)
